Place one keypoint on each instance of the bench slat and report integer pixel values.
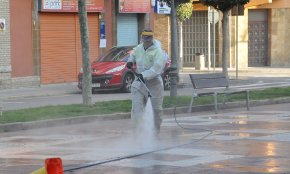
(210, 80)
(208, 75)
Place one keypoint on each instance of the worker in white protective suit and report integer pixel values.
(150, 63)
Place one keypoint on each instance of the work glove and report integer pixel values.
(149, 94)
(129, 65)
(140, 78)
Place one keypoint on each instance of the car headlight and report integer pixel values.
(119, 68)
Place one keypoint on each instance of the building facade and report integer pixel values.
(40, 40)
(5, 48)
(257, 38)
(125, 20)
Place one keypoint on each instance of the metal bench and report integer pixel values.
(213, 84)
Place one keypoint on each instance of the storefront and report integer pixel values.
(60, 43)
(131, 18)
(127, 29)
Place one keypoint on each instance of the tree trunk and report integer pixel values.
(86, 64)
(225, 52)
(174, 53)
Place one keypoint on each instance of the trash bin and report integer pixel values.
(199, 61)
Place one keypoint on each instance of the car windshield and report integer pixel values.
(116, 54)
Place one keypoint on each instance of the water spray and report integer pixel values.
(96, 163)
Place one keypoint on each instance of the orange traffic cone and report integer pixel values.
(52, 166)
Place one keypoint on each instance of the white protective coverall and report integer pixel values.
(150, 63)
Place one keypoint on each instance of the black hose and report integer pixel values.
(87, 165)
(186, 128)
(92, 164)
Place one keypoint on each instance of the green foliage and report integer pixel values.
(176, 101)
(224, 5)
(64, 111)
(184, 11)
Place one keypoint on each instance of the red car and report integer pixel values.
(109, 72)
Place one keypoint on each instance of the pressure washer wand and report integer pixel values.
(136, 74)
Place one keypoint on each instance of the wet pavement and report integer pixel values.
(231, 142)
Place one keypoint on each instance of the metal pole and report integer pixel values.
(230, 35)
(181, 45)
(213, 40)
(174, 53)
(209, 46)
(237, 45)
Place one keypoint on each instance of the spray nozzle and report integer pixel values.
(149, 95)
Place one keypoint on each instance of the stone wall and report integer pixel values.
(5, 50)
(280, 37)
(242, 41)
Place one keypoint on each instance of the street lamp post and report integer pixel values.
(174, 66)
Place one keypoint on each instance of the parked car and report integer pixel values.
(109, 72)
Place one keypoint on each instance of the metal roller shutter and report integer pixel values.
(61, 48)
(127, 29)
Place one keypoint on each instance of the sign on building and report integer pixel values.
(103, 34)
(213, 16)
(134, 6)
(161, 7)
(52, 4)
(70, 5)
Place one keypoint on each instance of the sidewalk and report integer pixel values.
(245, 76)
(42, 90)
(234, 141)
(248, 72)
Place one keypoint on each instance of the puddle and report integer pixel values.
(227, 117)
(185, 121)
(243, 134)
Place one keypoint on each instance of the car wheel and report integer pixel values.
(127, 82)
(166, 81)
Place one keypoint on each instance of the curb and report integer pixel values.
(46, 94)
(11, 127)
(36, 95)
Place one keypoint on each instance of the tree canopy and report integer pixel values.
(224, 5)
(176, 2)
(184, 8)
(184, 11)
